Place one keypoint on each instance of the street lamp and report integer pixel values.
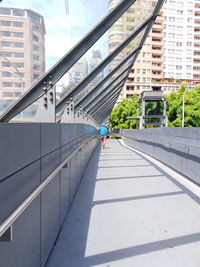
(183, 106)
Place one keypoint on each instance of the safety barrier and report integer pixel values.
(40, 172)
(179, 148)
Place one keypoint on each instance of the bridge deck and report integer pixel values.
(130, 212)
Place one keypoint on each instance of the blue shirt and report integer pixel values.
(103, 131)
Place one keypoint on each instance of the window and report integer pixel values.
(5, 23)
(189, 43)
(35, 38)
(6, 44)
(7, 74)
(179, 44)
(172, 19)
(178, 59)
(5, 33)
(18, 55)
(36, 28)
(33, 16)
(17, 44)
(180, 12)
(18, 12)
(7, 84)
(178, 67)
(17, 24)
(171, 35)
(6, 54)
(171, 51)
(36, 67)
(18, 34)
(5, 11)
(188, 67)
(179, 36)
(36, 76)
(19, 64)
(8, 94)
(35, 57)
(18, 94)
(35, 48)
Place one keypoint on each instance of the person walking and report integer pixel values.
(103, 133)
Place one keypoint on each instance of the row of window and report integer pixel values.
(177, 59)
(18, 65)
(12, 94)
(177, 51)
(180, 44)
(10, 64)
(176, 75)
(12, 84)
(12, 34)
(18, 35)
(12, 54)
(12, 44)
(18, 55)
(6, 23)
(10, 74)
(17, 44)
(20, 13)
(178, 67)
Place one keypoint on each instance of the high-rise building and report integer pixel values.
(96, 59)
(78, 71)
(22, 51)
(171, 53)
(147, 70)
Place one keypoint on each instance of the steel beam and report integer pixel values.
(106, 109)
(75, 91)
(103, 94)
(90, 94)
(104, 97)
(66, 62)
(105, 104)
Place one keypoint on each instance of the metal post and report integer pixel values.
(183, 107)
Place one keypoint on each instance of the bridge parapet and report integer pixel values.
(30, 153)
(179, 148)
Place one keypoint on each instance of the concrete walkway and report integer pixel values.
(130, 212)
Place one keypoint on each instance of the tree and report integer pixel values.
(192, 107)
(127, 108)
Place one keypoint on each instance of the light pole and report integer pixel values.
(183, 106)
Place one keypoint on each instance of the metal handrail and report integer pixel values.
(15, 214)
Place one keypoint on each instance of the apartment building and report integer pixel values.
(22, 51)
(147, 70)
(171, 53)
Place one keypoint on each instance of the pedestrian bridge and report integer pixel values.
(67, 202)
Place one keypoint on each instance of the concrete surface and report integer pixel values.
(130, 211)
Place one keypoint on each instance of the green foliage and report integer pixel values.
(66, 89)
(127, 108)
(192, 107)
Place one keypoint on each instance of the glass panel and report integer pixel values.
(53, 30)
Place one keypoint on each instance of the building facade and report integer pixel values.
(171, 53)
(22, 51)
(78, 71)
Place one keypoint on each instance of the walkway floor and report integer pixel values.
(130, 212)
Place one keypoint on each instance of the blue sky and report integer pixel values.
(60, 37)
